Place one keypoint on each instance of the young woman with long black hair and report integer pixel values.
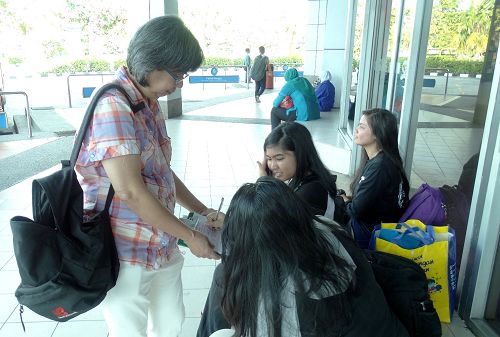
(380, 187)
(290, 156)
(286, 272)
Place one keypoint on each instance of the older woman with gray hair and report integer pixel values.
(132, 151)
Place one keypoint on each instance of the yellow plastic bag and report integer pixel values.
(436, 257)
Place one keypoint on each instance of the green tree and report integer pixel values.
(53, 48)
(102, 25)
(443, 33)
(465, 32)
(473, 30)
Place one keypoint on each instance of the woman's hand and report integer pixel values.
(263, 169)
(199, 245)
(215, 221)
(346, 198)
(207, 211)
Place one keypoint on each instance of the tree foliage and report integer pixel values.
(461, 31)
(101, 23)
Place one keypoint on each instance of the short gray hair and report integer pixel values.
(163, 43)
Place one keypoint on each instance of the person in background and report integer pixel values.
(305, 104)
(258, 73)
(132, 151)
(325, 92)
(380, 187)
(247, 63)
(286, 272)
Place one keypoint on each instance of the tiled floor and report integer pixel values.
(213, 159)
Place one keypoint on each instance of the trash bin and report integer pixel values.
(270, 76)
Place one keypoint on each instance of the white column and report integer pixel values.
(171, 105)
(325, 41)
(334, 44)
(413, 83)
(314, 37)
(371, 65)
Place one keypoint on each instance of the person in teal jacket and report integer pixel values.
(305, 104)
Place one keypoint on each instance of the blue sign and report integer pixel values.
(214, 79)
(429, 83)
(213, 71)
(285, 67)
(282, 73)
(87, 91)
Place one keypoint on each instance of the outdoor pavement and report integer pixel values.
(215, 149)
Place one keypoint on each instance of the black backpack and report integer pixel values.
(457, 213)
(405, 288)
(468, 176)
(67, 263)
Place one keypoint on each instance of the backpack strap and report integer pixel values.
(89, 114)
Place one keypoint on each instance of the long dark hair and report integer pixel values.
(295, 137)
(270, 237)
(384, 126)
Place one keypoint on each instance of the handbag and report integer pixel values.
(286, 103)
(67, 262)
(433, 248)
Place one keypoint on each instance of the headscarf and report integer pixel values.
(290, 74)
(300, 83)
(326, 76)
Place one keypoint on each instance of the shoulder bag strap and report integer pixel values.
(86, 122)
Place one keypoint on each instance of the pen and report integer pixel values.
(218, 210)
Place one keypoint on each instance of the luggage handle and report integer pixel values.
(427, 237)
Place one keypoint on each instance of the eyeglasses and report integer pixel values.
(177, 79)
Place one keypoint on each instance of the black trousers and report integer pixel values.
(260, 86)
(279, 114)
(212, 318)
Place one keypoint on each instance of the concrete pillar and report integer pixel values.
(171, 105)
(325, 41)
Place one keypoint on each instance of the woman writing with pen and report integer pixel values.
(132, 152)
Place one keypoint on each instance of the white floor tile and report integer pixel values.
(6, 244)
(190, 327)
(28, 316)
(39, 329)
(8, 307)
(5, 257)
(197, 277)
(194, 302)
(81, 329)
(10, 281)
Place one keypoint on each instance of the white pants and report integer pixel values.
(146, 302)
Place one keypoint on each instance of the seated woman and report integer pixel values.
(305, 104)
(325, 92)
(380, 187)
(290, 156)
(316, 282)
